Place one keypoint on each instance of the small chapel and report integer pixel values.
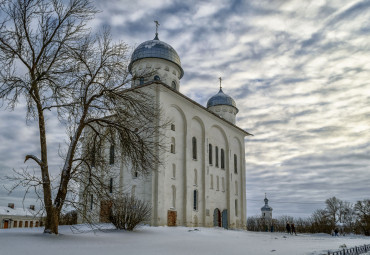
(202, 180)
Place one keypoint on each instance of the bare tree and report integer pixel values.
(362, 210)
(49, 58)
(333, 206)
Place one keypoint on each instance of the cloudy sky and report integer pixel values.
(299, 72)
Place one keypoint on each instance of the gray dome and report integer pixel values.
(156, 49)
(221, 99)
(266, 207)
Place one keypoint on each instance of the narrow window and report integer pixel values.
(93, 157)
(136, 174)
(195, 206)
(236, 207)
(235, 164)
(217, 183)
(173, 85)
(223, 184)
(173, 127)
(210, 153)
(111, 185)
(222, 159)
(173, 145)
(194, 142)
(173, 196)
(111, 155)
(211, 181)
(195, 177)
(173, 171)
(236, 188)
(157, 78)
(216, 156)
(91, 201)
(141, 80)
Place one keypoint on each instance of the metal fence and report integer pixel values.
(352, 251)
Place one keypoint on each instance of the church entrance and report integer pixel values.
(216, 218)
(224, 219)
(6, 224)
(105, 207)
(171, 218)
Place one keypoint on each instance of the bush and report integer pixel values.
(127, 212)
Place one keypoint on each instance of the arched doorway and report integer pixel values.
(216, 218)
(224, 219)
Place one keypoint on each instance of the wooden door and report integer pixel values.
(171, 218)
(6, 224)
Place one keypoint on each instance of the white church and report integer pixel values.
(202, 179)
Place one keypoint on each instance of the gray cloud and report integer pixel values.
(299, 73)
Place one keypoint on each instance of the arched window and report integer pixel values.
(235, 164)
(173, 171)
(91, 201)
(236, 207)
(194, 142)
(216, 156)
(111, 185)
(173, 144)
(218, 183)
(223, 184)
(195, 177)
(111, 155)
(141, 80)
(157, 78)
(93, 157)
(173, 196)
(133, 189)
(210, 153)
(236, 188)
(195, 205)
(222, 159)
(173, 127)
(173, 85)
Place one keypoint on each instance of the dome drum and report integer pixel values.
(156, 49)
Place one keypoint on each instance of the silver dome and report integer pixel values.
(221, 99)
(156, 49)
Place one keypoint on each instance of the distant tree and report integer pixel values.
(333, 206)
(362, 210)
(49, 58)
(321, 222)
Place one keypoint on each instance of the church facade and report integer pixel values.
(201, 181)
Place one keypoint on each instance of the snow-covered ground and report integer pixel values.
(169, 240)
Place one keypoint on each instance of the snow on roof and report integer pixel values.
(4, 210)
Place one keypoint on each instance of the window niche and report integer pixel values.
(195, 202)
(194, 147)
(216, 152)
(222, 159)
(235, 164)
(173, 144)
(210, 154)
(111, 155)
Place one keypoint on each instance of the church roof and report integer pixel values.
(156, 49)
(266, 207)
(194, 102)
(221, 99)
